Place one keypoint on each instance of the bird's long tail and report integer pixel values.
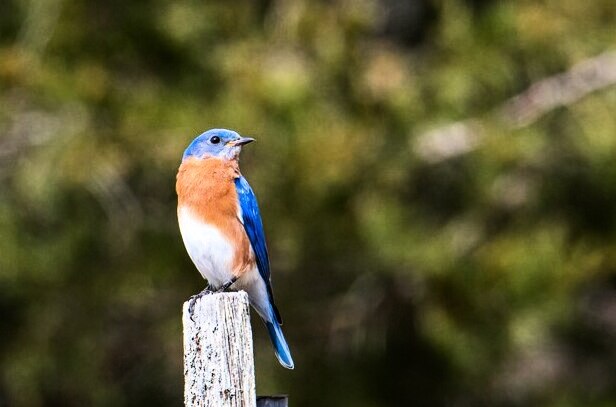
(278, 341)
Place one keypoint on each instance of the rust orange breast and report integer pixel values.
(207, 188)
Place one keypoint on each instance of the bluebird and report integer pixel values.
(222, 229)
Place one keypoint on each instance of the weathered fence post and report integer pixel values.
(272, 401)
(218, 354)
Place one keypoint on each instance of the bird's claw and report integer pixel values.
(193, 299)
(226, 285)
(207, 290)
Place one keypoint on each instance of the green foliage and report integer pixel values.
(405, 278)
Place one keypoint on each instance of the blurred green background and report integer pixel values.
(435, 241)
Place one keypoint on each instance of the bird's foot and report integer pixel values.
(226, 285)
(191, 305)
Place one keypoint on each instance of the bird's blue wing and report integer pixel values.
(254, 229)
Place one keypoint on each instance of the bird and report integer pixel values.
(222, 230)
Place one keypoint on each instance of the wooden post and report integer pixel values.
(218, 357)
(272, 401)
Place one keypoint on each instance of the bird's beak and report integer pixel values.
(241, 141)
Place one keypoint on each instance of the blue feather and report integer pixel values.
(280, 344)
(254, 229)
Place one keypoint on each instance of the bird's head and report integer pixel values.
(219, 143)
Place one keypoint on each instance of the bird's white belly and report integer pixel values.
(207, 247)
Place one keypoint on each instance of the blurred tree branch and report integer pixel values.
(524, 109)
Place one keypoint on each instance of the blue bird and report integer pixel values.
(222, 229)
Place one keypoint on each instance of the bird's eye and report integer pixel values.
(215, 140)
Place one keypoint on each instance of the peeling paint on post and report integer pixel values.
(218, 353)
